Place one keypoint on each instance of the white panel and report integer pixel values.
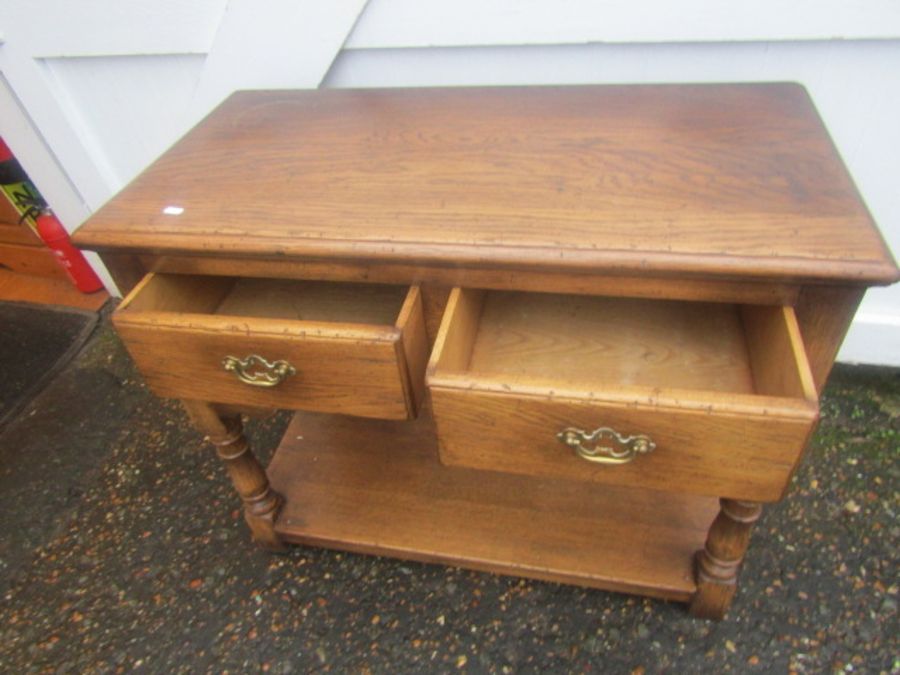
(38, 160)
(130, 108)
(43, 169)
(105, 27)
(281, 44)
(441, 23)
(28, 83)
(854, 85)
(873, 338)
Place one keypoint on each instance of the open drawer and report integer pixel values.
(358, 349)
(710, 398)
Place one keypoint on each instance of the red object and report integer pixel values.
(5, 152)
(57, 239)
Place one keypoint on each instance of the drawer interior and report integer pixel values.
(590, 344)
(289, 299)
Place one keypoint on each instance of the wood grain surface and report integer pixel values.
(226, 434)
(9, 215)
(721, 180)
(824, 315)
(412, 348)
(16, 233)
(777, 356)
(34, 260)
(374, 304)
(46, 291)
(598, 342)
(719, 562)
(374, 486)
(584, 283)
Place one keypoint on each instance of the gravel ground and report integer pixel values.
(124, 551)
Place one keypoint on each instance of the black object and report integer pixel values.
(35, 342)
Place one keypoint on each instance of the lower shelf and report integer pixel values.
(377, 487)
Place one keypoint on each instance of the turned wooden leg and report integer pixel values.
(261, 503)
(716, 566)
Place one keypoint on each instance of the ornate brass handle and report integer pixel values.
(256, 371)
(605, 445)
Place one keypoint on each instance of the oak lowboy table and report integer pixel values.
(570, 333)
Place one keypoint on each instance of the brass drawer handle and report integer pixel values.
(256, 371)
(605, 445)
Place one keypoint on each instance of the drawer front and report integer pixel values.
(271, 362)
(350, 376)
(709, 399)
(738, 456)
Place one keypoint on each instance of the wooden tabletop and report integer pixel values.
(721, 180)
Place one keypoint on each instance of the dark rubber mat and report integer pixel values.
(35, 342)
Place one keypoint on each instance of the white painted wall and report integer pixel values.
(91, 92)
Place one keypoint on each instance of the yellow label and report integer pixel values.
(26, 200)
